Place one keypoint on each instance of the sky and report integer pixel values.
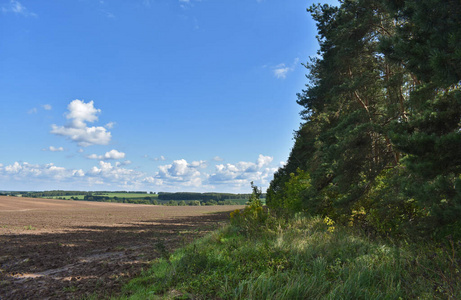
(150, 95)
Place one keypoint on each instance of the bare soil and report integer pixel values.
(63, 249)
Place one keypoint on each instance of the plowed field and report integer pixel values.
(62, 249)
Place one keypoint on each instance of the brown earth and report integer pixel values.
(63, 249)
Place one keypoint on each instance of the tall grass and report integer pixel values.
(303, 258)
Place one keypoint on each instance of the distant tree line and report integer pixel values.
(161, 198)
(202, 196)
(57, 193)
(155, 201)
(60, 193)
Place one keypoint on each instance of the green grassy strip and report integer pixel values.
(303, 259)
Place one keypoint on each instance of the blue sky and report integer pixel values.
(153, 95)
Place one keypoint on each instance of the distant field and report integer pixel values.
(110, 195)
(127, 195)
(79, 197)
(74, 249)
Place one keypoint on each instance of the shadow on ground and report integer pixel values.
(91, 260)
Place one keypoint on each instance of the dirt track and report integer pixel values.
(61, 249)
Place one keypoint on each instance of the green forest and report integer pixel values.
(368, 205)
(380, 144)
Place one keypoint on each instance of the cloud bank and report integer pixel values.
(180, 175)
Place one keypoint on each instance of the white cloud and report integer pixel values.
(177, 176)
(152, 180)
(217, 158)
(35, 110)
(182, 172)
(264, 160)
(84, 136)
(53, 149)
(17, 8)
(112, 154)
(54, 177)
(81, 112)
(236, 177)
(77, 130)
(242, 173)
(160, 158)
(123, 163)
(109, 174)
(199, 164)
(78, 173)
(110, 125)
(281, 70)
(27, 171)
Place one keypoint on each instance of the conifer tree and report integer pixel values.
(381, 111)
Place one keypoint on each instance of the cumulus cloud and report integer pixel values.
(54, 149)
(16, 7)
(153, 180)
(112, 154)
(77, 130)
(177, 176)
(180, 171)
(109, 174)
(104, 173)
(47, 106)
(241, 173)
(217, 158)
(26, 171)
